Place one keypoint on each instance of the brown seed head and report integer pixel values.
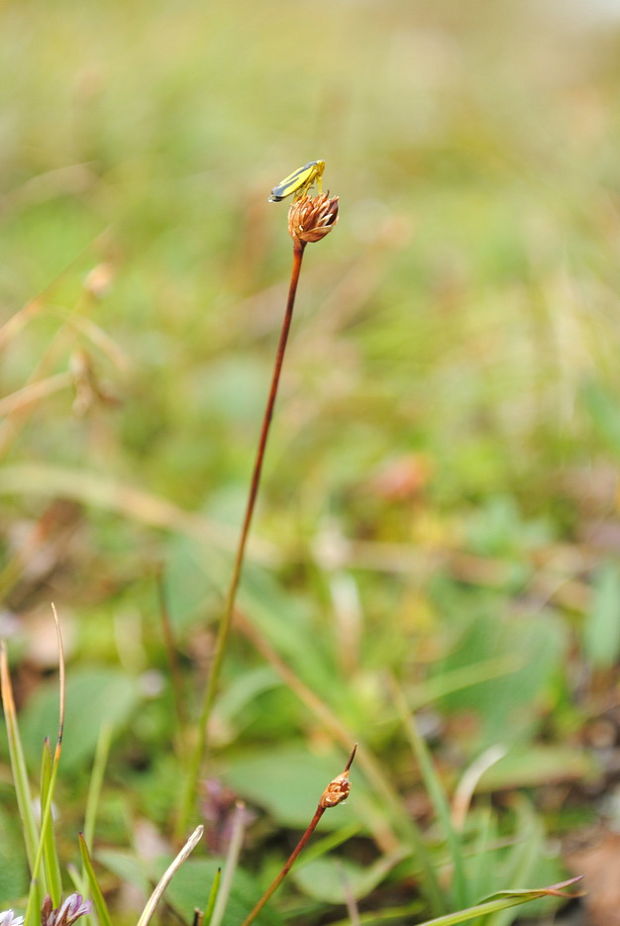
(311, 218)
(336, 791)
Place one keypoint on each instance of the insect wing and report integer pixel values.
(295, 181)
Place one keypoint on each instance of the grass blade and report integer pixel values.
(96, 782)
(18, 763)
(466, 787)
(31, 916)
(436, 793)
(502, 901)
(232, 859)
(486, 838)
(386, 839)
(212, 897)
(50, 855)
(524, 857)
(101, 908)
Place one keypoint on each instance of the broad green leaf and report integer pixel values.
(320, 847)
(13, 867)
(538, 764)
(95, 697)
(289, 782)
(601, 632)
(243, 689)
(126, 866)
(189, 585)
(286, 621)
(333, 880)
(604, 413)
(507, 706)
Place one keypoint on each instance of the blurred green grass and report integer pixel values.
(462, 320)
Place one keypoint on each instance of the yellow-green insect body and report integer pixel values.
(299, 182)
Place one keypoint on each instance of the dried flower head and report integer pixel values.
(8, 918)
(311, 218)
(67, 913)
(338, 789)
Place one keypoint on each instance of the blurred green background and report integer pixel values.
(440, 498)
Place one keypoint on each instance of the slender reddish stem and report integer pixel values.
(322, 806)
(197, 755)
(277, 881)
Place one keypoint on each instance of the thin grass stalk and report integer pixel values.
(350, 901)
(523, 859)
(223, 633)
(465, 789)
(31, 916)
(96, 894)
(96, 781)
(33, 392)
(167, 876)
(230, 866)
(12, 327)
(18, 762)
(436, 793)
(33, 479)
(485, 841)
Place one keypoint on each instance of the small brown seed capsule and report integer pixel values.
(336, 791)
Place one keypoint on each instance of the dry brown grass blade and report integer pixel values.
(18, 321)
(133, 503)
(167, 876)
(62, 684)
(34, 392)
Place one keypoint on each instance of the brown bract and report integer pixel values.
(311, 218)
